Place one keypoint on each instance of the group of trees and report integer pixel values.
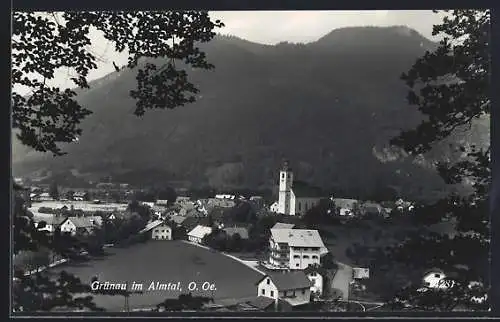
(218, 239)
(451, 87)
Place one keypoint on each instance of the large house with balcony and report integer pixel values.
(292, 287)
(295, 248)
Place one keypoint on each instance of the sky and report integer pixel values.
(271, 27)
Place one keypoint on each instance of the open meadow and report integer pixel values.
(164, 262)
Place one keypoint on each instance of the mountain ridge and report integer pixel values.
(328, 106)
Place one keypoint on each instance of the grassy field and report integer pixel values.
(166, 261)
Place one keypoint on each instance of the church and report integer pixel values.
(295, 197)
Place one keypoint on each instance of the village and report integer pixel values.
(288, 242)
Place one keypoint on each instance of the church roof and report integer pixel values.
(304, 190)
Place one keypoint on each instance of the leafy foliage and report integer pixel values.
(451, 87)
(42, 43)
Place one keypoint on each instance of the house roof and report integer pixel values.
(200, 231)
(261, 302)
(80, 222)
(304, 190)
(298, 237)
(242, 231)
(52, 220)
(178, 219)
(289, 280)
(280, 225)
(152, 225)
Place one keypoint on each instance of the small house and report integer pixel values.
(292, 287)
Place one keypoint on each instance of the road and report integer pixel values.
(342, 279)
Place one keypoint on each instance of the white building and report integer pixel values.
(147, 203)
(274, 207)
(317, 283)
(295, 248)
(162, 231)
(221, 196)
(196, 235)
(436, 279)
(159, 230)
(292, 287)
(51, 222)
(295, 197)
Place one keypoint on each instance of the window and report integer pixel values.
(263, 292)
(272, 293)
(296, 256)
(297, 265)
(283, 175)
(306, 256)
(437, 275)
(268, 281)
(313, 274)
(314, 257)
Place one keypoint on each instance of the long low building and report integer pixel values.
(196, 235)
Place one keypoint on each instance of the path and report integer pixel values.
(342, 279)
(246, 263)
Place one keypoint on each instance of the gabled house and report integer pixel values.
(292, 287)
(313, 274)
(159, 230)
(77, 225)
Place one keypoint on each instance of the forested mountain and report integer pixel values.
(330, 107)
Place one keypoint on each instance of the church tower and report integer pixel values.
(285, 189)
